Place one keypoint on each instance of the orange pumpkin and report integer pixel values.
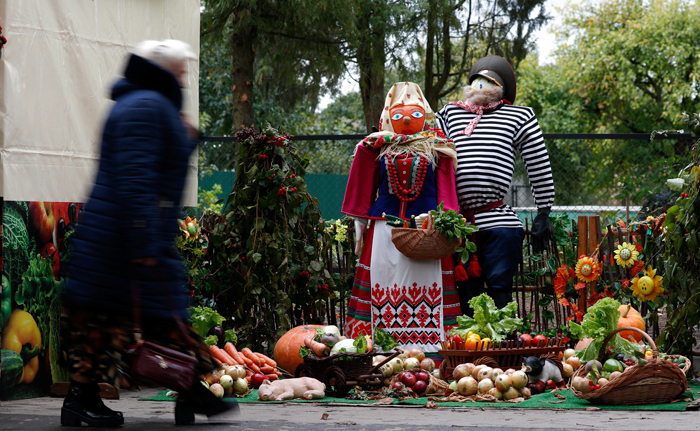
(631, 317)
(286, 352)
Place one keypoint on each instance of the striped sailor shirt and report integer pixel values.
(486, 160)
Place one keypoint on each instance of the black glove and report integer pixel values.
(541, 230)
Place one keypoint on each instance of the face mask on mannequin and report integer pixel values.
(407, 119)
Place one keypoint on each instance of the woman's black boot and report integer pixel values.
(83, 404)
(200, 400)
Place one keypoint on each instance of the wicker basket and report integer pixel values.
(423, 243)
(659, 381)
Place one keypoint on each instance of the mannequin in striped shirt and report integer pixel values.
(488, 131)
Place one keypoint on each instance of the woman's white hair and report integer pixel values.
(167, 54)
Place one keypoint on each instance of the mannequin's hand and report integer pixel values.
(541, 230)
(360, 230)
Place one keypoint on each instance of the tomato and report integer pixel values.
(527, 339)
(49, 250)
(539, 340)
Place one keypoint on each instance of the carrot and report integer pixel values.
(219, 354)
(266, 369)
(250, 355)
(218, 362)
(231, 350)
(425, 224)
(248, 361)
(267, 360)
(405, 224)
(272, 377)
(319, 349)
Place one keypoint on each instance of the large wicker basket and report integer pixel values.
(659, 381)
(423, 243)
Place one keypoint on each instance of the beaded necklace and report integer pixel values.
(392, 167)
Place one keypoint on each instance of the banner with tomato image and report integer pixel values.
(35, 248)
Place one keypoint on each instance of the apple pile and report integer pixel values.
(416, 379)
(470, 379)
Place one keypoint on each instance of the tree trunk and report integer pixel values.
(371, 57)
(243, 74)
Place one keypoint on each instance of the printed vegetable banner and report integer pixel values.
(36, 243)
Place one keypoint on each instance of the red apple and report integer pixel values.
(422, 376)
(419, 387)
(49, 250)
(398, 386)
(408, 379)
(42, 219)
(257, 379)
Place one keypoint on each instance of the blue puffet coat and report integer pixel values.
(133, 208)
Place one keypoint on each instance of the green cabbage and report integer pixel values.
(489, 321)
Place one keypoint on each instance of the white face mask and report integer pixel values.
(480, 82)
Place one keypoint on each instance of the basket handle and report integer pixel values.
(654, 349)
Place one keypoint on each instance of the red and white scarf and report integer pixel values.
(476, 109)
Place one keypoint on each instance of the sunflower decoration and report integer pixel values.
(189, 227)
(587, 269)
(626, 254)
(647, 286)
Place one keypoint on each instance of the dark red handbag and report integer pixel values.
(158, 364)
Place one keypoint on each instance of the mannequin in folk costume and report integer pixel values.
(488, 130)
(407, 168)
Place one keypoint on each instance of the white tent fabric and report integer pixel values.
(56, 72)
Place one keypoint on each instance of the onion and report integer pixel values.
(614, 375)
(462, 370)
(569, 353)
(217, 390)
(437, 374)
(240, 385)
(495, 373)
(427, 364)
(484, 373)
(467, 386)
(509, 371)
(387, 370)
(526, 393)
(503, 382)
(485, 386)
(603, 381)
(236, 372)
(510, 394)
(475, 371)
(377, 359)
(213, 377)
(518, 379)
(416, 353)
(411, 363)
(496, 393)
(397, 364)
(574, 361)
(453, 386)
(568, 370)
(226, 381)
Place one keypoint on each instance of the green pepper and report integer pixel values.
(5, 301)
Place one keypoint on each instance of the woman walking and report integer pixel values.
(124, 242)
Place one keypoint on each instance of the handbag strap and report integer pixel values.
(137, 326)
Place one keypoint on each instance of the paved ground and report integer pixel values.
(43, 414)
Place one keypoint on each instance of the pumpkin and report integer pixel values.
(631, 317)
(286, 352)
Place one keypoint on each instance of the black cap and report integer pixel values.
(497, 70)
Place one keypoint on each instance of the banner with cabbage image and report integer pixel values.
(36, 242)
